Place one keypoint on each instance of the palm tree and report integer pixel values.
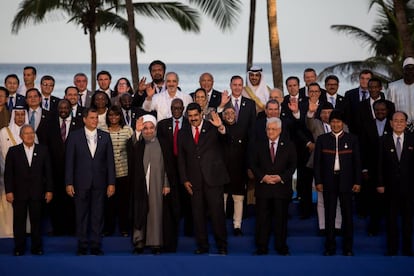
(250, 40)
(384, 43)
(274, 44)
(94, 15)
(224, 13)
(402, 27)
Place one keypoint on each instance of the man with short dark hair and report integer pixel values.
(157, 70)
(89, 177)
(104, 81)
(38, 117)
(49, 102)
(11, 82)
(29, 78)
(337, 168)
(203, 173)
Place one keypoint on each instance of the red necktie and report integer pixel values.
(175, 135)
(196, 136)
(63, 130)
(272, 151)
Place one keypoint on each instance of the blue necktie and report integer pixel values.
(32, 119)
(10, 105)
(46, 103)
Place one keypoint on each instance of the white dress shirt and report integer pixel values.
(29, 153)
(92, 139)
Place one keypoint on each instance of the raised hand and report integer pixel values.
(139, 125)
(293, 105)
(142, 86)
(313, 106)
(225, 98)
(150, 91)
(215, 119)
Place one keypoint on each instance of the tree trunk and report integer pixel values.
(402, 27)
(250, 42)
(274, 44)
(133, 58)
(92, 42)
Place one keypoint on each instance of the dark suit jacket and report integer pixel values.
(215, 98)
(352, 106)
(284, 166)
(84, 171)
(24, 181)
(88, 98)
(349, 160)
(53, 103)
(365, 113)
(370, 142)
(57, 148)
(135, 113)
(302, 93)
(42, 129)
(201, 164)
(20, 101)
(397, 176)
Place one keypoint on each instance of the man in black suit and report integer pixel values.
(309, 76)
(366, 121)
(167, 133)
(89, 177)
(38, 117)
(62, 208)
(396, 163)
(11, 82)
(203, 173)
(157, 70)
(80, 80)
(371, 133)
(131, 113)
(353, 97)
(49, 102)
(72, 95)
(28, 180)
(207, 82)
(273, 165)
(104, 82)
(337, 170)
(331, 95)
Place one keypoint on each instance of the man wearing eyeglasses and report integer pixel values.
(49, 102)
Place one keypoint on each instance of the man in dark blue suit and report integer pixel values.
(11, 82)
(89, 176)
(337, 168)
(28, 179)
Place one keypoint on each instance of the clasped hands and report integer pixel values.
(271, 179)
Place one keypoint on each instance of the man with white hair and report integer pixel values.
(256, 88)
(161, 102)
(153, 189)
(401, 92)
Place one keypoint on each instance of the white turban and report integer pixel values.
(149, 118)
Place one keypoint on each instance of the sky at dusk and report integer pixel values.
(304, 30)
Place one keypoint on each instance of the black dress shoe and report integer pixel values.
(329, 253)
(222, 251)
(97, 252)
(138, 250)
(200, 251)
(237, 232)
(348, 253)
(338, 232)
(322, 232)
(260, 252)
(283, 252)
(37, 252)
(18, 253)
(156, 251)
(82, 252)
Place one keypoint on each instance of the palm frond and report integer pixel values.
(186, 17)
(224, 13)
(366, 38)
(110, 21)
(33, 11)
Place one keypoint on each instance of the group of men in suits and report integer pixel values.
(194, 144)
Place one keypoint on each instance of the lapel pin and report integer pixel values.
(281, 143)
(392, 150)
(203, 130)
(346, 145)
(34, 153)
